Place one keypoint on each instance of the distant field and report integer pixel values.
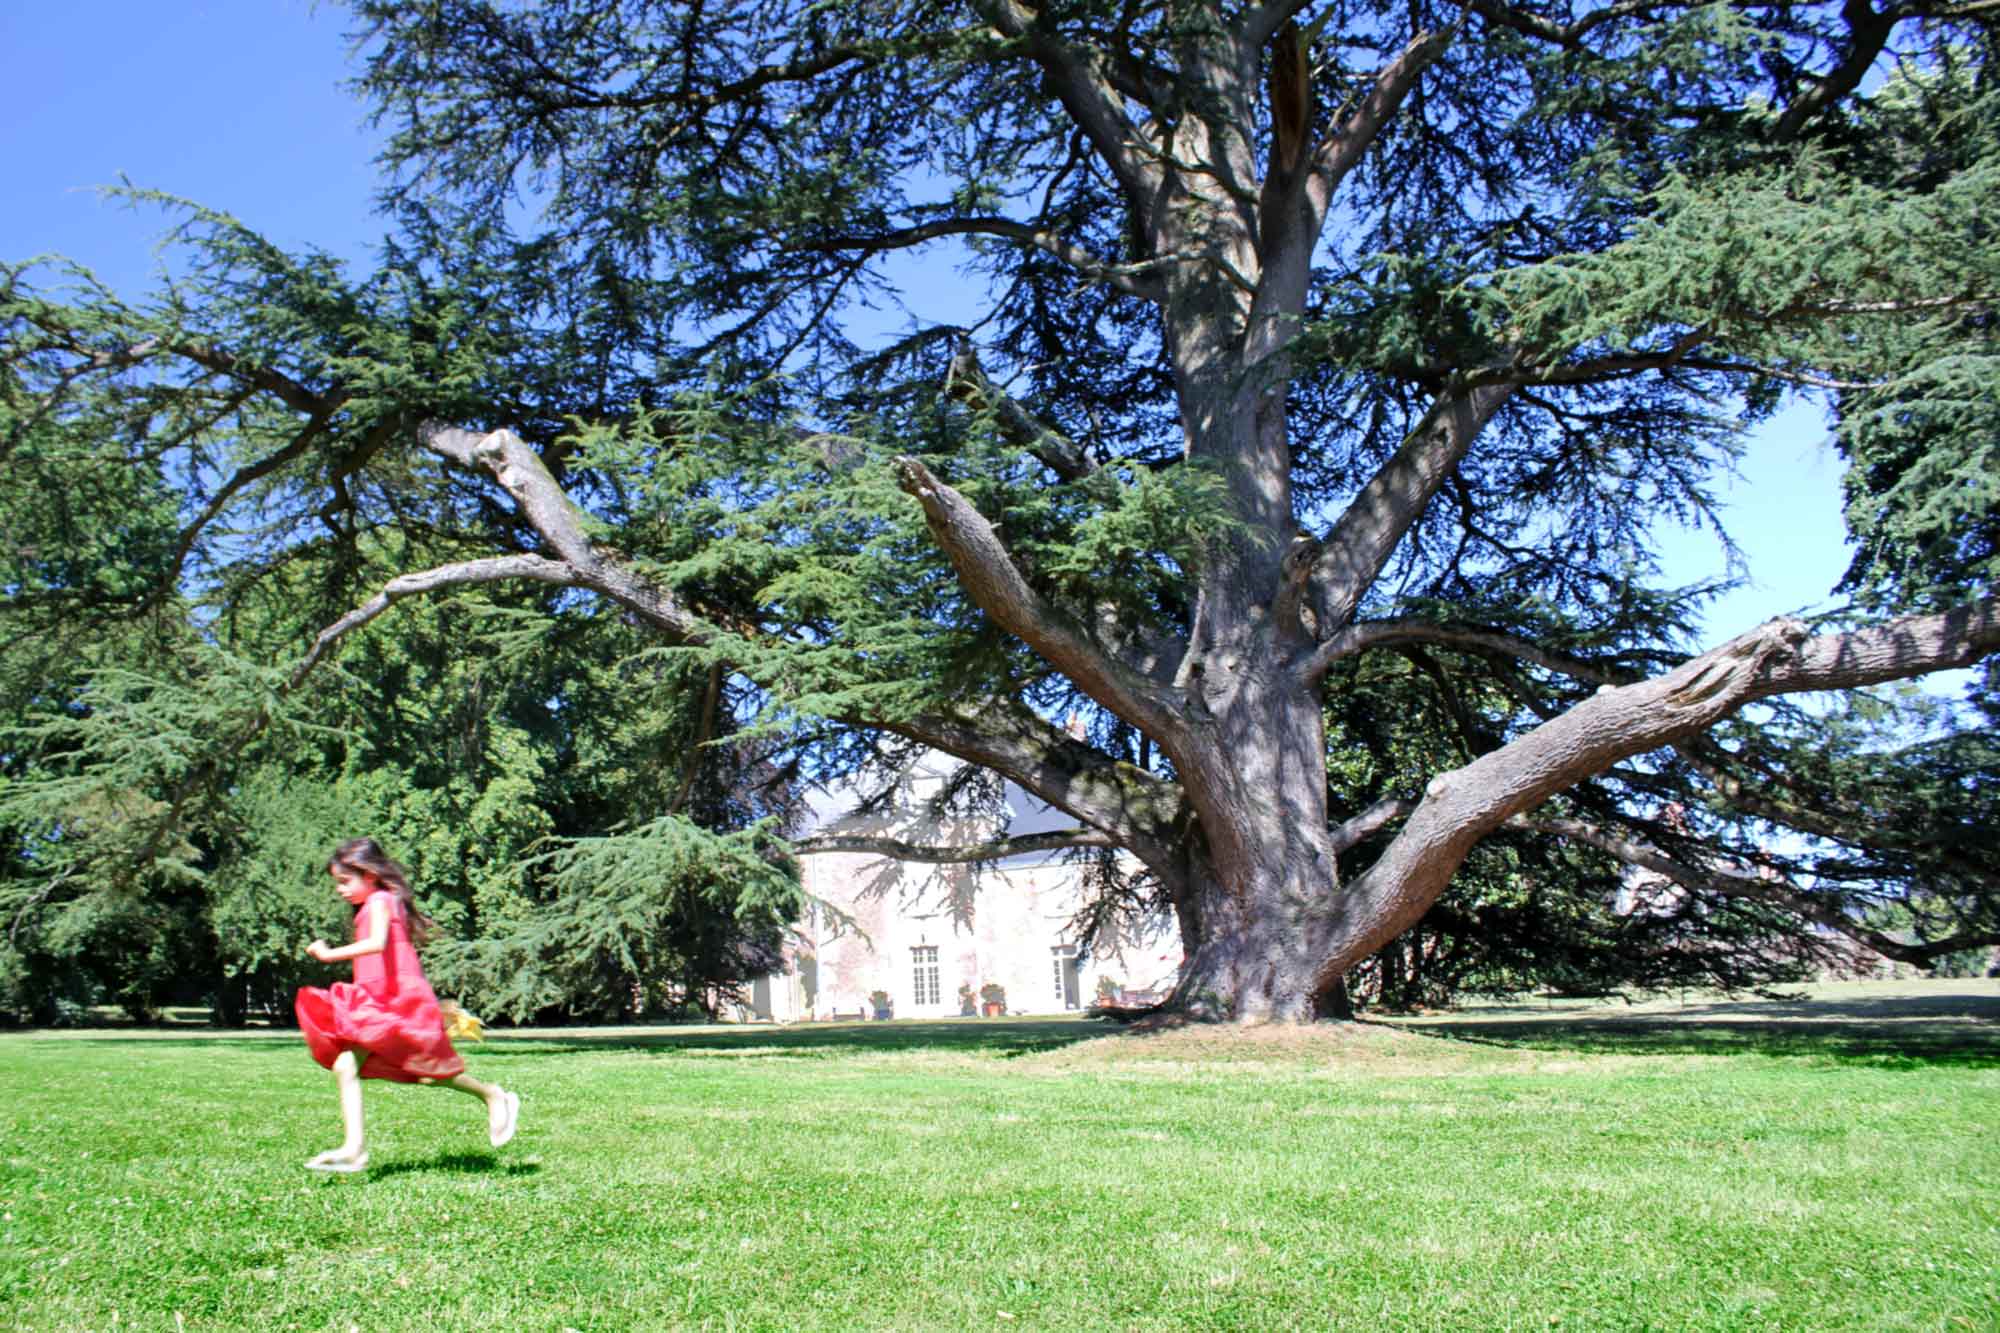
(1823, 1163)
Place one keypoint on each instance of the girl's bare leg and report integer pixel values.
(492, 1094)
(347, 1073)
(466, 1083)
(347, 1078)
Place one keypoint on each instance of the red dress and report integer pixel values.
(389, 1013)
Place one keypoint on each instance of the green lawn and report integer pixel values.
(1508, 1168)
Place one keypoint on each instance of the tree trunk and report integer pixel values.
(1392, 992)
(230, 1003)
(1274, 931)
(1264, 868)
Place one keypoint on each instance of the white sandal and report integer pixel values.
(331, 1161)
(510, 1113)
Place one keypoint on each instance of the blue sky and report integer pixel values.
(237, 104)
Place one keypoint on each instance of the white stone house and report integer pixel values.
(918, 932)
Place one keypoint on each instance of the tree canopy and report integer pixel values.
(1322, 371)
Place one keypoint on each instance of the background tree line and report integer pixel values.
(473, 741)
(1322, 370)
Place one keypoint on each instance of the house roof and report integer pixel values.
(833, 810)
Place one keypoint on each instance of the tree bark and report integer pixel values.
(1242, 839)
(1265, 861)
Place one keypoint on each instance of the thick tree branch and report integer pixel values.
(989, 577)
(1124, 806)
(1143, 813)
(1294, 200)
(711, 695)
(1005, 737)
(996, 849)
(550, 511)
(1295, 576)
(281, 386)
(1601, 369)
(1351, 833)
(1090, 99)
(1570, 36)
(494, 569)
(1354, 132)
(1868, 33)
(1462, 806)
(1153, 652)
(1357, 548)
(967, 382)
(1261, 22)
(1910, 646)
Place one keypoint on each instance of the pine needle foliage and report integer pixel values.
(1231, 278)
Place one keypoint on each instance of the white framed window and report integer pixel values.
(924, 975)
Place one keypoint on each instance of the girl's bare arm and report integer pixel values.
(375, 941)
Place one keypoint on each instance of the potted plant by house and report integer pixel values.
(880, 1000)
(968, 1003)
(993, 999)
(1108, 991)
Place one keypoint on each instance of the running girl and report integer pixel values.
(386, 1023)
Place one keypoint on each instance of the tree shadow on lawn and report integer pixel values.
(1960, 1028)
(1006, 1038)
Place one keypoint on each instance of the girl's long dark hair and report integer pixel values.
(365, 855)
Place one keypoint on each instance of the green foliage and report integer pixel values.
(173, 830)
(108, 872)
(661, 918)
(1657, 220)
(1921, 437)
(1896, 799)
(1743, 254)
(268, 890)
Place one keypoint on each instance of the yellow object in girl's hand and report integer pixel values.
(459, 1025)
